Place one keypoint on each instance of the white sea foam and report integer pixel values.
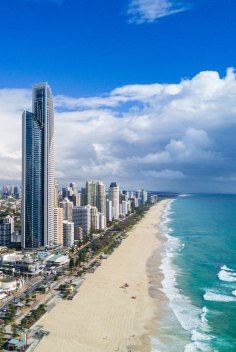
(203, 315)
(226, 274)
(198, 346)
(218, 297)
(199, 336)
(224, 267)
(190, 347)
(234, 292)
(182, 247)
(191, 318)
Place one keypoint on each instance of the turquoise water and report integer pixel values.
(199, 266)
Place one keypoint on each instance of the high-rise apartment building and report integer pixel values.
(96, 195)
(94, 218)
(56, 194)
(58, 226)
(38, 170)
(114, 196)
(67, 208)
(101, 197)
(109, 210)
(82, 218)
(68, 234)
(91, 193)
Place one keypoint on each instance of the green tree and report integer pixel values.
(2, 335)
(77, 262)
(72, 263)
(24, 323)
(14, 330)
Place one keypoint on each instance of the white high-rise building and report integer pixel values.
(94, 218)
(109, 210)
(58, 226)
(37, 213)
(124, 208)
(101, 197)
(114, 196)
(68, 234)
(102, 221)
(67, 207)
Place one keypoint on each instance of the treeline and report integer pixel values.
(113, 237)
(33, 316)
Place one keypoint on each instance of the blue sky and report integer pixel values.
(91, 47)
(145, 90)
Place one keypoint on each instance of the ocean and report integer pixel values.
(199, 270)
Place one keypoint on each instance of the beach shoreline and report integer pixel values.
(117, 308)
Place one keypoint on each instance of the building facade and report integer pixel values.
(82, 218)
(67, 207)
(6, 230)
(96, 195)
(38, 170)
(68, 234)
(114, 197)
(58, 226)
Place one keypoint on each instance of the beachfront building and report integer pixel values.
(138, 194)
(20, 264)
(82, 218)
(96, 195)
(101, 221)
(144, 197)
(57, 260)
(94, 223)
(101, 197)
(68, 234)
(67, 207)
(78, 233)
(114, 197)
(124, 208)
(37, 213)
(109, 210)
(58, 226)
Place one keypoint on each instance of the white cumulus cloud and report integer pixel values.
(159, 136)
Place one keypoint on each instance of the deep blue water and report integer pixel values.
(199, 264)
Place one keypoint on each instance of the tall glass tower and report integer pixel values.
(37, 214)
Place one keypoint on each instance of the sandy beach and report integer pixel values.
(105, 316)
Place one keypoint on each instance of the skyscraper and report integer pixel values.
(67, 207)
(96, 195)
(114, 197)
(38, 170)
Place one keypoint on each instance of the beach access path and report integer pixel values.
(113, 309)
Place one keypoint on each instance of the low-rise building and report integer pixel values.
(57, 259)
